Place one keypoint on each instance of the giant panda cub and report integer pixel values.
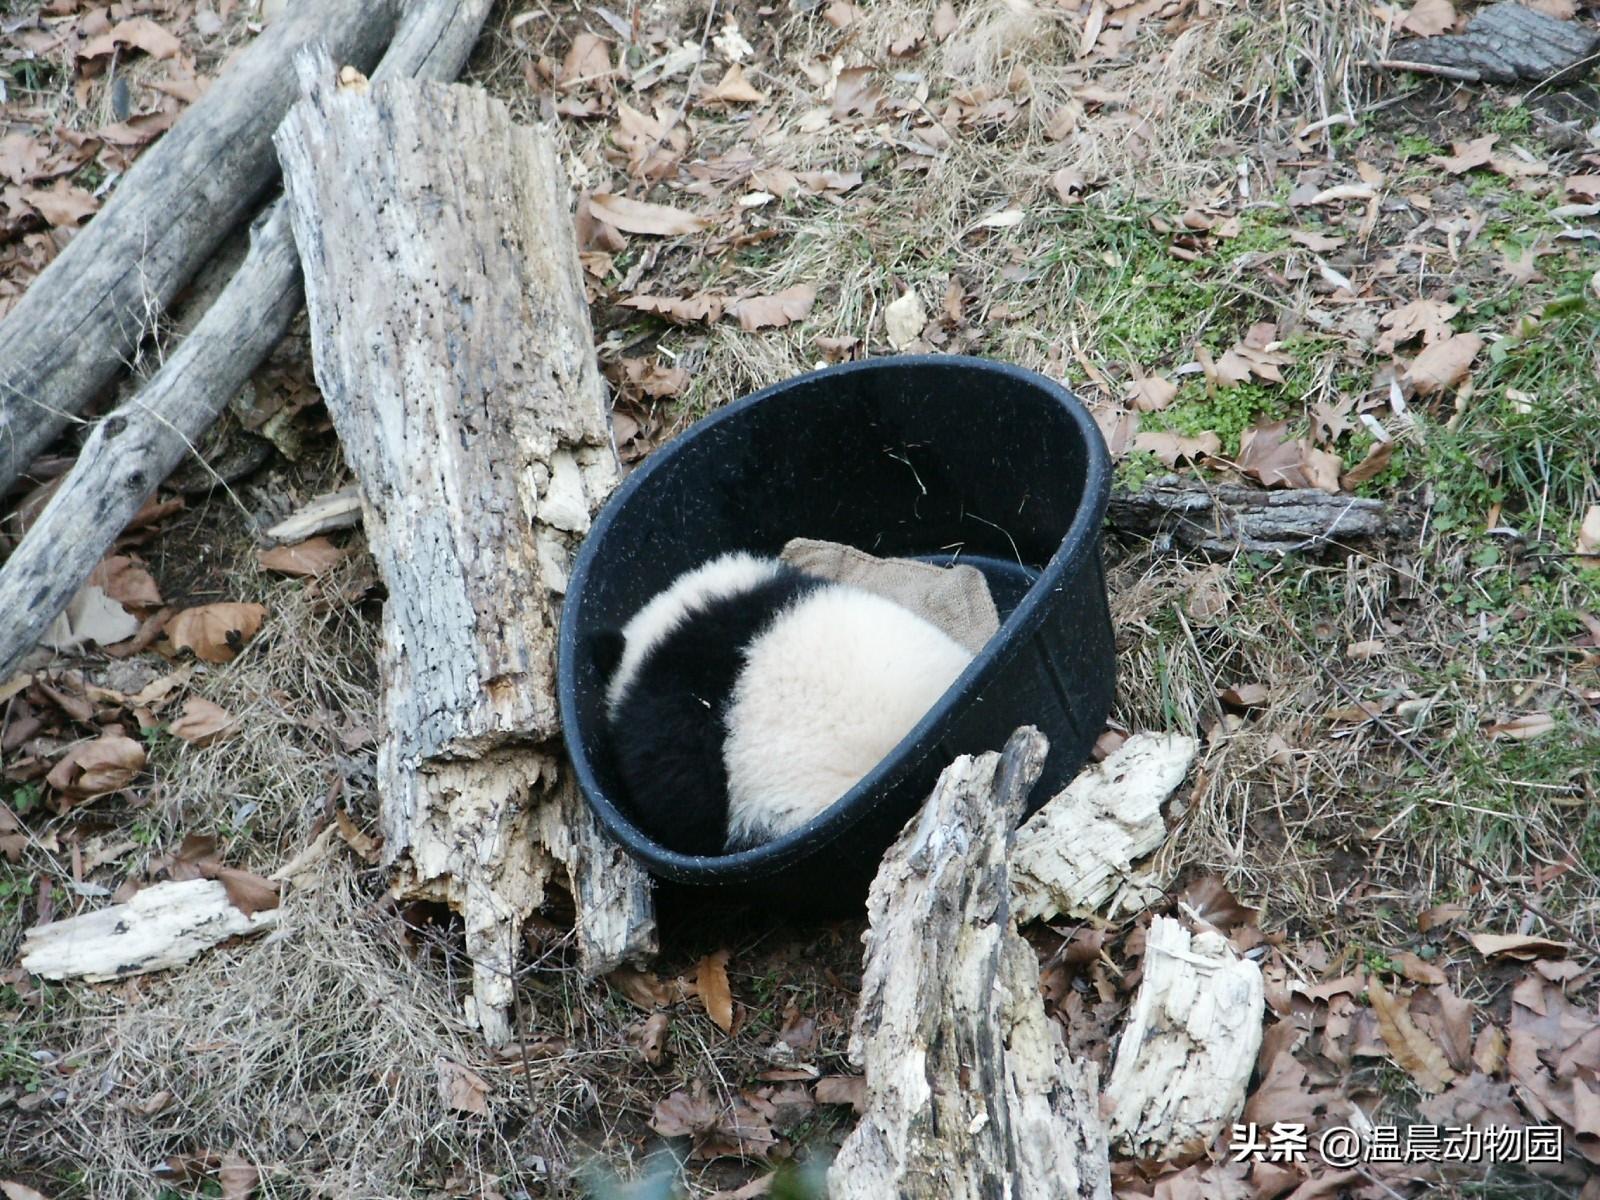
(748, 696)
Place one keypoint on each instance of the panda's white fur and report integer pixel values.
(823, 680)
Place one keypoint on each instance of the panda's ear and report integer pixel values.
(606, 649)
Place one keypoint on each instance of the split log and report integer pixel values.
(79, 322)
(1504, 43)
(162, 926)
(452, 345)
(134, 448)
(970, 1090)
(1227, 518)
(1186, 1054)
(1077, 852)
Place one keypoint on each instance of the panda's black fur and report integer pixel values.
(751, 696)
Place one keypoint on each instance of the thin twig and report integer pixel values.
(1459, 74)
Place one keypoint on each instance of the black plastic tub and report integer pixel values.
(939, 458)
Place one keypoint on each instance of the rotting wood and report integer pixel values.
(1186, 1053)
(80, 320)
(1077, 852)
(1504, 43)
(323, 514)
(162, 926)
(134, 448)
(970, 1090)
(1227, 518)
(456, 361)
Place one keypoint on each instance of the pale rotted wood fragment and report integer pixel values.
(1185, 1056)
(970, 1091)
(1078, 851)
(164, 925)
(455, 358)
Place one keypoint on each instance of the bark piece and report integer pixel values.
(1504, 43)
(134, 448)
(970, 1090)
(1226, 518)
(1077, 852)
(1190, 1044)
(81, 319)
(164, 925)
(451, 341)
(324, 514)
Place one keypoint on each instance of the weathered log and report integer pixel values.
(452, 345)
(164, 925)
(1077, 852)
(79, 322)
(970, 1090)
(134, 448)
(1227, 518)
(1504, 43)
(1190, 1044)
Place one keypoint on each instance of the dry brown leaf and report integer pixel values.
(944, 21)
(1410, 1047)
(1427, 319)
(1444, 364)
(772, 312)
(247, 891)
(734, 88)
(107, 764)
(1440, 914)
(461, 1088)
(126, 581)
(1209, 899)
(856, 94)
(653, 1038)
(1245, 695)
(1524, 268)
(366, 846)
(1588, 543)
(1524, 728)
(1268, 453)
(1170, 447)
(215, 633)
(1429, 17)
(641, 217)
(1320, 467)
(20, 1191)
(1583, 187)
(1416, 969)
(1467, 155)
(683, 1115)
(202, 722)
(588, 60)
(711, 982)
(139, 32)
(1152, 393)
(1317, 243)
(1364, 650)
(237, 1177)
(703, 306)
(1374, 464)
(61, 204)
(1517, 945)
(843, 1089)
(1209, 595)
(304, 560)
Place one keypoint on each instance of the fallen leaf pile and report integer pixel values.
(137, 73)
